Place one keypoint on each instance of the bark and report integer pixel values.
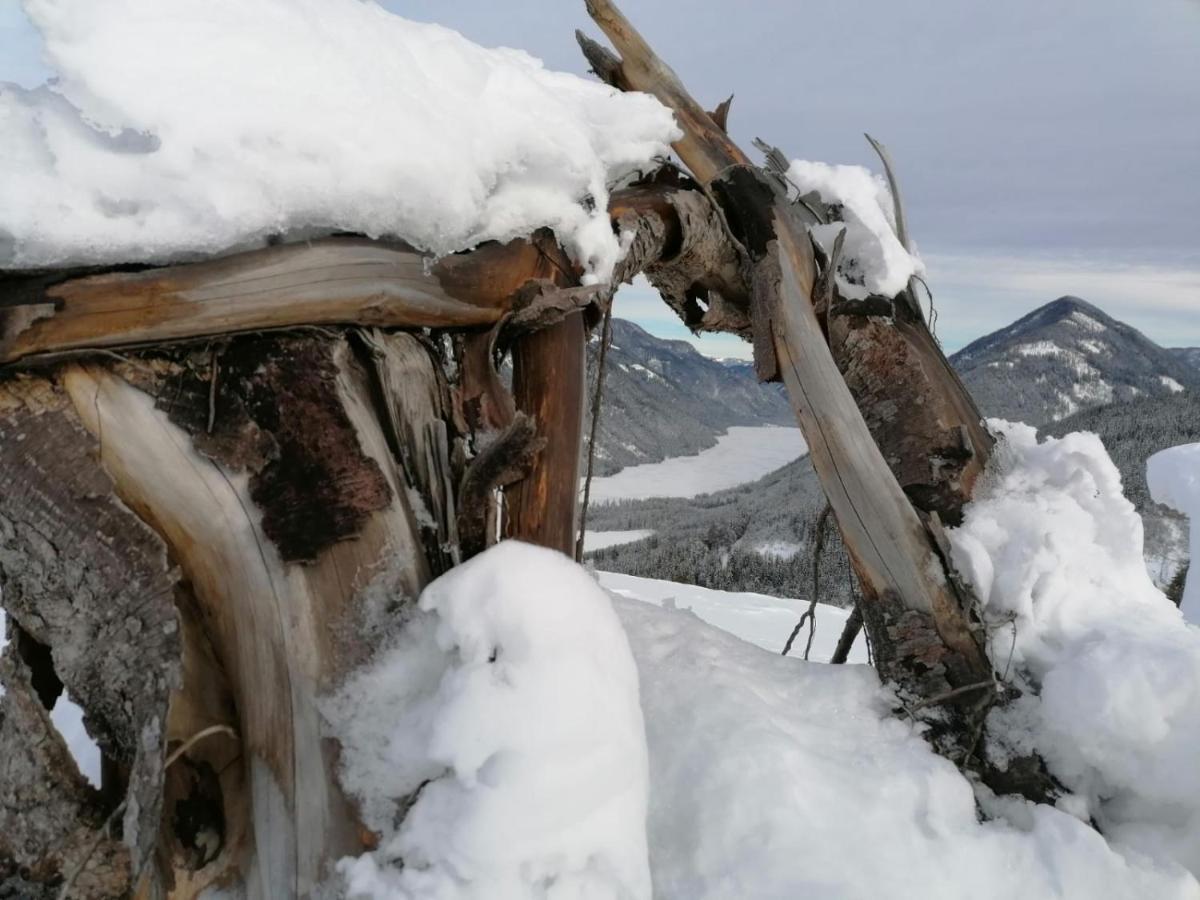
(298, 527)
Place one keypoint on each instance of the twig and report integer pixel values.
(120, 808)
(810, 615)
(950, 695)
(214, 368)
(605, 340)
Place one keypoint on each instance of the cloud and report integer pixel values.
(976, 294)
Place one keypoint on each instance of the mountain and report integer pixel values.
(1065, 367)
(1064, 357)
(1190, 355)
(664, 398)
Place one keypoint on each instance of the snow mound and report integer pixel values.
(776, 778)
(873, 259)
(509, 708)
(1110, 670)
(1173, 476)
(183, 127)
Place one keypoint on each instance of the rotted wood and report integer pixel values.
(263, 621)
(86, 581)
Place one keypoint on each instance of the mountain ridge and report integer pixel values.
(1064, 357)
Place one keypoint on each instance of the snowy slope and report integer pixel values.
(235, 121)
(757, 618)
(773, 778)
(511, 711)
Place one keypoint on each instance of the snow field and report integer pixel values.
(768, 777)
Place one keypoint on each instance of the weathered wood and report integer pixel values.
(330, 281)
(549, 381)
(705, 148)
(281, 633)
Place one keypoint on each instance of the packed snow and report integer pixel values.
(598, 540)
(1171, 384)
(507, 712)
(1173, 476)
(183, 127)
(1109, 670)
(775, 778)
(760, 619)
(743, 454)
(873, 259)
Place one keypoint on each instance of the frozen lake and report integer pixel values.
(744, 453)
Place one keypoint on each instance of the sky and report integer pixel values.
(1044, 147)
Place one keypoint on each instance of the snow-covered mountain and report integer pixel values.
(1065, 357)
(759, 536)
(664, 398)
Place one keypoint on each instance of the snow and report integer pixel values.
(873, 259)
(1095, 347)
(743, 454)
(68, 719)
(1173, 476)
(1171, 384)
(759, 619)
(598, 540)
(509, 706)
(1086, 322)
(1109, 670)
(775, 778)
(647, 372)
(560, 751)
(182, 127)
(778, 549)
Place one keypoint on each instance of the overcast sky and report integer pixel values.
(1044, 147)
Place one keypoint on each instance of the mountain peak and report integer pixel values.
(1066, 356)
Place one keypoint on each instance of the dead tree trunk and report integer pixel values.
(894, 438)
(221, 483)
